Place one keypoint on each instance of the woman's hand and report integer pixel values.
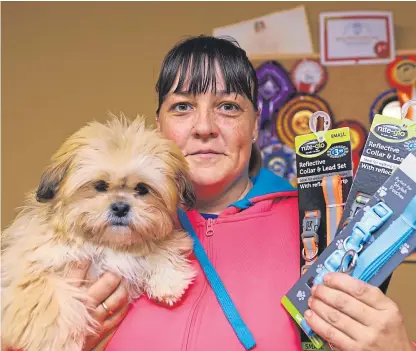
(108, 298)
(356, 316)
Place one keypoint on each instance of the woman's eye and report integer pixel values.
(181, 107)
(229, 107)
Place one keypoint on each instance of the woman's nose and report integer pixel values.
(204, 125)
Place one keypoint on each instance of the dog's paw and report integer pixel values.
(169, 283)
(168, 300)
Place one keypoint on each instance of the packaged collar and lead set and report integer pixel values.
(370, 234)
(324, 177)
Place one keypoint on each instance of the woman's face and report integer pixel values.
(214, 131)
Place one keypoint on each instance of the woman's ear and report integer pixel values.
(256, 124)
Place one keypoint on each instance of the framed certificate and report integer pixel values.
(348, 38)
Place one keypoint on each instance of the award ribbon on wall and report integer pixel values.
(275, 88)
(386, 104)
(281, 160)
(309, 76)
(358, 133)
(293, 118)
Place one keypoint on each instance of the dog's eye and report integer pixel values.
(141, 189)
(101, 186)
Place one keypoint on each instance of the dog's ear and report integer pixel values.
(187, 196)
(181, 173)
(52, 177)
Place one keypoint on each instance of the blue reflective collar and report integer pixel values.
(375, 256)
(372, 220)
(387, 244)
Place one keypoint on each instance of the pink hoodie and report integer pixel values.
(254, 247)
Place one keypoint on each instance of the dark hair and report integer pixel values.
(205, 51)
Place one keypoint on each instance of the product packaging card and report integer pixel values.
(376, 240)
(389, 141)
(324, 176)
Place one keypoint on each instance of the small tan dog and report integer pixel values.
(110, 195)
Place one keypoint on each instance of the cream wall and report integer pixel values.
(66, 63)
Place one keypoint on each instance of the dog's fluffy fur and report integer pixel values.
(71, 217)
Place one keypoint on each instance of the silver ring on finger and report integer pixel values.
(107, 309)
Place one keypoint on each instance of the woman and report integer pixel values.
(247, 223)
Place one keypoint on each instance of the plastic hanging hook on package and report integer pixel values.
(406, 106)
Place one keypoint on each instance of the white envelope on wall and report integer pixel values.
(283, 32)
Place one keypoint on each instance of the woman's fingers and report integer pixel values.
(101, 344)
(113, 292)
(108, 289)
(116, 301)
(344, 303)
(366, 293)
(76, 271)
(328, 332)
(339, 320)
(114, 320)
(106, 332)
(103, 288)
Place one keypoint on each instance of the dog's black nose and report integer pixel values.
(120, 209)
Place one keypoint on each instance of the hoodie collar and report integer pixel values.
(265, 185)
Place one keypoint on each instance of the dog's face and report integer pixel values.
(116, 185)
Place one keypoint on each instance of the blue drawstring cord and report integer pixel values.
(224, 299)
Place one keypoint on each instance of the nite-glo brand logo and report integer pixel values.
(391, 131)
(313, 147)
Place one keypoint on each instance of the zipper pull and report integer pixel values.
(210, 227)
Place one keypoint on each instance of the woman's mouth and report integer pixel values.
(205, 154)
